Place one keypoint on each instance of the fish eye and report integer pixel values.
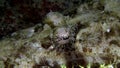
(65, 38)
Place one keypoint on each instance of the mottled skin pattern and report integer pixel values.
(62, 35)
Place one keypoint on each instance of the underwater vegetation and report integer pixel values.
(85, 37)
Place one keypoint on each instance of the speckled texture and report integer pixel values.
(89, 36)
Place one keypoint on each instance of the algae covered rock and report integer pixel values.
(2, 64)
(112, 6)
(99, 41)
(90, 36)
